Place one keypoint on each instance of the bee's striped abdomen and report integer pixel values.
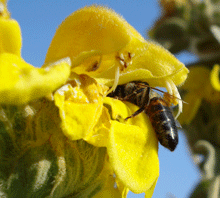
(163, 122)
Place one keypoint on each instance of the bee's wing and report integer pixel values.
(154, 94)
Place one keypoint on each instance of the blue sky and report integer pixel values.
(39, 20)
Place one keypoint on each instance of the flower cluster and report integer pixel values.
(62, 128)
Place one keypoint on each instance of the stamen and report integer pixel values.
(115, 84)
(131, 55)
(121, 56)
(122, 62)
(180, 102)
(172, 90)
(169, 88)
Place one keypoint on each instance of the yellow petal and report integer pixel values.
(203, 83)
(10, 35)
(195, 81)
(117, 109)
(150, 63)
(190, 109)
(133, 149)
(100, 134)
(214, 77)
(20, 82)
(80, 103)
(93, 28)
(149, 193)
(121, 187)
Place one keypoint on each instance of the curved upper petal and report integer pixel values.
(92, 28)
(99, 41)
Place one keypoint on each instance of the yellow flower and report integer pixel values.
(202, 84)
(106, 51)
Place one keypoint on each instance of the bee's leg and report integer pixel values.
(145, 99)
(128, 97)
(136, 113)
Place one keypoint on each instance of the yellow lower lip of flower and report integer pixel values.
(132, 148)
(134, 159)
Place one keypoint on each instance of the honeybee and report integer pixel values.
(157, 109)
